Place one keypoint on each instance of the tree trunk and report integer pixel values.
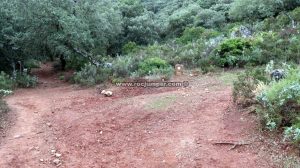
(63, 62)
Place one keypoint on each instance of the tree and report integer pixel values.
(209, 18)
(65, 29)
(138, 23)
(206, 4)
(182, 18)
(257, 9)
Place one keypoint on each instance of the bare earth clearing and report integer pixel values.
(137, 127)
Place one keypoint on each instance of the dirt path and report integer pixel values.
(155, 128)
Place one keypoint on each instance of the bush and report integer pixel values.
(246, 84)
(293, 133)
(230, 53)
(182, 18)
(147, 66)
(130, 47)
(123, 66)
(73, 62)
(91, 75)
(191, 34)
(206, 65)
(6, 83)
(209, 18)
(254, 9)
(272, 47)
(280, 101)
(196, 33)
(4, 93)
(155, 66)
(23, 80)
(31, 64)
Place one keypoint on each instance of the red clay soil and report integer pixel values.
(137, 127)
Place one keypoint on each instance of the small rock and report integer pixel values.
(56, 161)
(53, 151)
(57, 155)
(17, 136)
(41, 160)
(107, 93)
(49, 124)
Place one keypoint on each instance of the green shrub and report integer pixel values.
(154, 66)
(31, 64)
(87, 76)
(206, 65)
(280, 101)
(182, 18)
(162, 73)
(6, 83)
(191, 34)
(293, 133)
(91, 75)
(246, 84)
(4, 93)
(296, 14)
(23, 80)
(74, 62)
(271, 47)
(196, 33)
(209, 18)
(124, 66)
(230, 53)
(188, 54)
(130, 47)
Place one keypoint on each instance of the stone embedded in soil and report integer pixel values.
(49, 124)
(56, 162)
(57, 155)
(17, 136)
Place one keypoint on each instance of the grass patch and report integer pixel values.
(3, 107)
(227, 78)
(161, 103)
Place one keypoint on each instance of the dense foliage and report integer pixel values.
(197, 33)
(277, 102)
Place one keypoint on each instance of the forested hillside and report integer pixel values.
(87, 31)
